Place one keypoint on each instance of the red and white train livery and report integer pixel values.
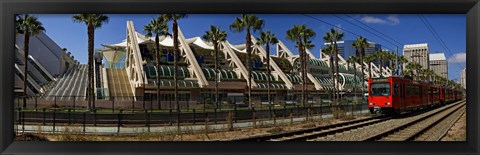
(397, 94)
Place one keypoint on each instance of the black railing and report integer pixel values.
(134, 111)
(123, 117)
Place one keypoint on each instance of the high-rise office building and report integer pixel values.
(463, 78)
(439, 64)
(418, 53)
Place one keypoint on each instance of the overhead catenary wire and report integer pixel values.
(375, 30)
(343, 29)
(381, 37)
(386, 37)
(439, 40)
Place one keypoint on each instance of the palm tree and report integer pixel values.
(369, 59)
(93, 21)
(391, 57)
(307, 45)
(429, 74)
(329, 51)
(382, 56)
(409, 70)
(353, 60)
(418, 69)
(302, 35)
(360, 44)
(216, 36)
(414, 67)
(28, 26)
(248, 22)
(266, 38)
(158, 27)
(402, 60)
(175, 18)
(336, 36)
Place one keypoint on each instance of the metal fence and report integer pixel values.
(141, 103)
(142, 113)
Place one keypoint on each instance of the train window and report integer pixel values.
(380, 89)
(396, 88)
(413, 90)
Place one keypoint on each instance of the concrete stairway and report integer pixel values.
(72, 85)
(118, 84)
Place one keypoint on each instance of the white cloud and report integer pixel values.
(459, 57)
(372, 20)
(391, 20)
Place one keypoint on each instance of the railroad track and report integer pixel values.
(410, 131)
(381, 130)
(357, 130)
(299, 134)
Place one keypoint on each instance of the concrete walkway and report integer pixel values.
(164, 129)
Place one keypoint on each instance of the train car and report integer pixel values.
(434, 97)
(397, 94)
(458, 95)
(445, 95)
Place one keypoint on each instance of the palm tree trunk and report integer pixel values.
(249, 65)
(175, 62)
(268, 72)
(391, 67)
(217, 72)
(381, 63)
(157, 48)
(91, 38)
(332, 77)
(355, 79)
(302, 61)
(338, 71)
(363, 77)
(26, 47)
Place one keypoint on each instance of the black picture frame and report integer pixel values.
(471, 8)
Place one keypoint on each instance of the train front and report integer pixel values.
(379, 95)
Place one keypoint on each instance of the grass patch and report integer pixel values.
(74, 134)
(308, 125)
(275, 130)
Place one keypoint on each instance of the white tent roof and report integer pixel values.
(198, 41)
(437, 57)
(239, 48)
(122, 44)
(141, 39)
(168, 41)
(113, 56)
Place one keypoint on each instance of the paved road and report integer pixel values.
(163, 129)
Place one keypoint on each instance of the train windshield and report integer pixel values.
(380, 89)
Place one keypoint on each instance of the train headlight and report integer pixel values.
(388, 103)
(371, 103)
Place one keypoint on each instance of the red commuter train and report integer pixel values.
(397, 94)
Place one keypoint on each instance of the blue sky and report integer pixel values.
(405, 29)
